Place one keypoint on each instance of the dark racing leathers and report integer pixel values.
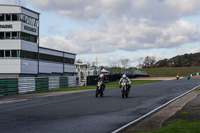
(103, 79)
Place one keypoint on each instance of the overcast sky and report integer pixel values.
(109, 30)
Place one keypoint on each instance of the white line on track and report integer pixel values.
(2, 102)
(151, 112)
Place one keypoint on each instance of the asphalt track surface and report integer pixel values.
(84, 113)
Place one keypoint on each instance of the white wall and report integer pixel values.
(10, 44)
(49, 67)
(9, 65)
(10, 9)
(69, 68)
(30, 46)
(29, 66)
(51, 52)
(16, 26)
(70, 55)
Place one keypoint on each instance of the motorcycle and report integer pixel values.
(99, 89)
(124, 90)
(188, 77)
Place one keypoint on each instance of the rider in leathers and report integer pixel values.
(103, 79)
(125, 79)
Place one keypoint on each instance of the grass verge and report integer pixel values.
(182, 123)
(179, 126)
(108, 85)
(198, 88)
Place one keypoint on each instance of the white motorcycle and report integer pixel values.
(124, 89)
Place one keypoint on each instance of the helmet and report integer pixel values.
(124, 76)
(102, 75)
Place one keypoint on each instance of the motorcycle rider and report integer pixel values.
(102, 78)
(125, 79)
(189, 76)
(177, 76)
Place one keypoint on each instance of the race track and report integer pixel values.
(84, 113)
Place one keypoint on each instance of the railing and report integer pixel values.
(30, 84)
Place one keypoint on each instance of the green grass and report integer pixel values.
(170, 72)
(108, 85)
(198, 88)
(178, 126)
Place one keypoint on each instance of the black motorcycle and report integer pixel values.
(99, 89)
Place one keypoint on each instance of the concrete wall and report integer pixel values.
(50, 52)
(29, 66)
(9, 65)
(49, 67)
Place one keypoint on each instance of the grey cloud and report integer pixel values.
(127, 24)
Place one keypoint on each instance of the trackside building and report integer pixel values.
(20, 53)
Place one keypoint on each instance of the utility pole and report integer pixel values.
(96, 61)
(19, 2)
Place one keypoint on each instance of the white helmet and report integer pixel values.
(124, 76)
(102, 75)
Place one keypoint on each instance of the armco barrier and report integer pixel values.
(71, 81)
(26, 84)
(41, 84)
(8, 86)
(53, 83)
(63, 82)
(29, 84)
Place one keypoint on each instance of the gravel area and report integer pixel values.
(154, 78)
(188, 103)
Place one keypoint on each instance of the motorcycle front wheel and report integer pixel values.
(122, 93)
(97, 92)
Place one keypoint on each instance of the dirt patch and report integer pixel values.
(154, 78)
(155, 121)
(196, 76)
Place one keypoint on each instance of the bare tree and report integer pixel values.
(149, 61)
(125, 62)
(153, 61)
(113, 65)
(140, 61)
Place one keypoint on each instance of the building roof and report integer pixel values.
(21, 7)
(57, 50)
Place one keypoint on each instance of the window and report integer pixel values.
(28, 37)
(14, 35)
(8, 35)
(14, 17)
(69, 61)
(7, 53)
(28, 54)
(8, 17)
(14, 53)
(1, 17)
(2, 35)
(22, 18)
(1, 53)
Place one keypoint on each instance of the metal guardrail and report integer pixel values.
(8, 86)
(29, 84)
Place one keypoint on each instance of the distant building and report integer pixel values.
(20, 53)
